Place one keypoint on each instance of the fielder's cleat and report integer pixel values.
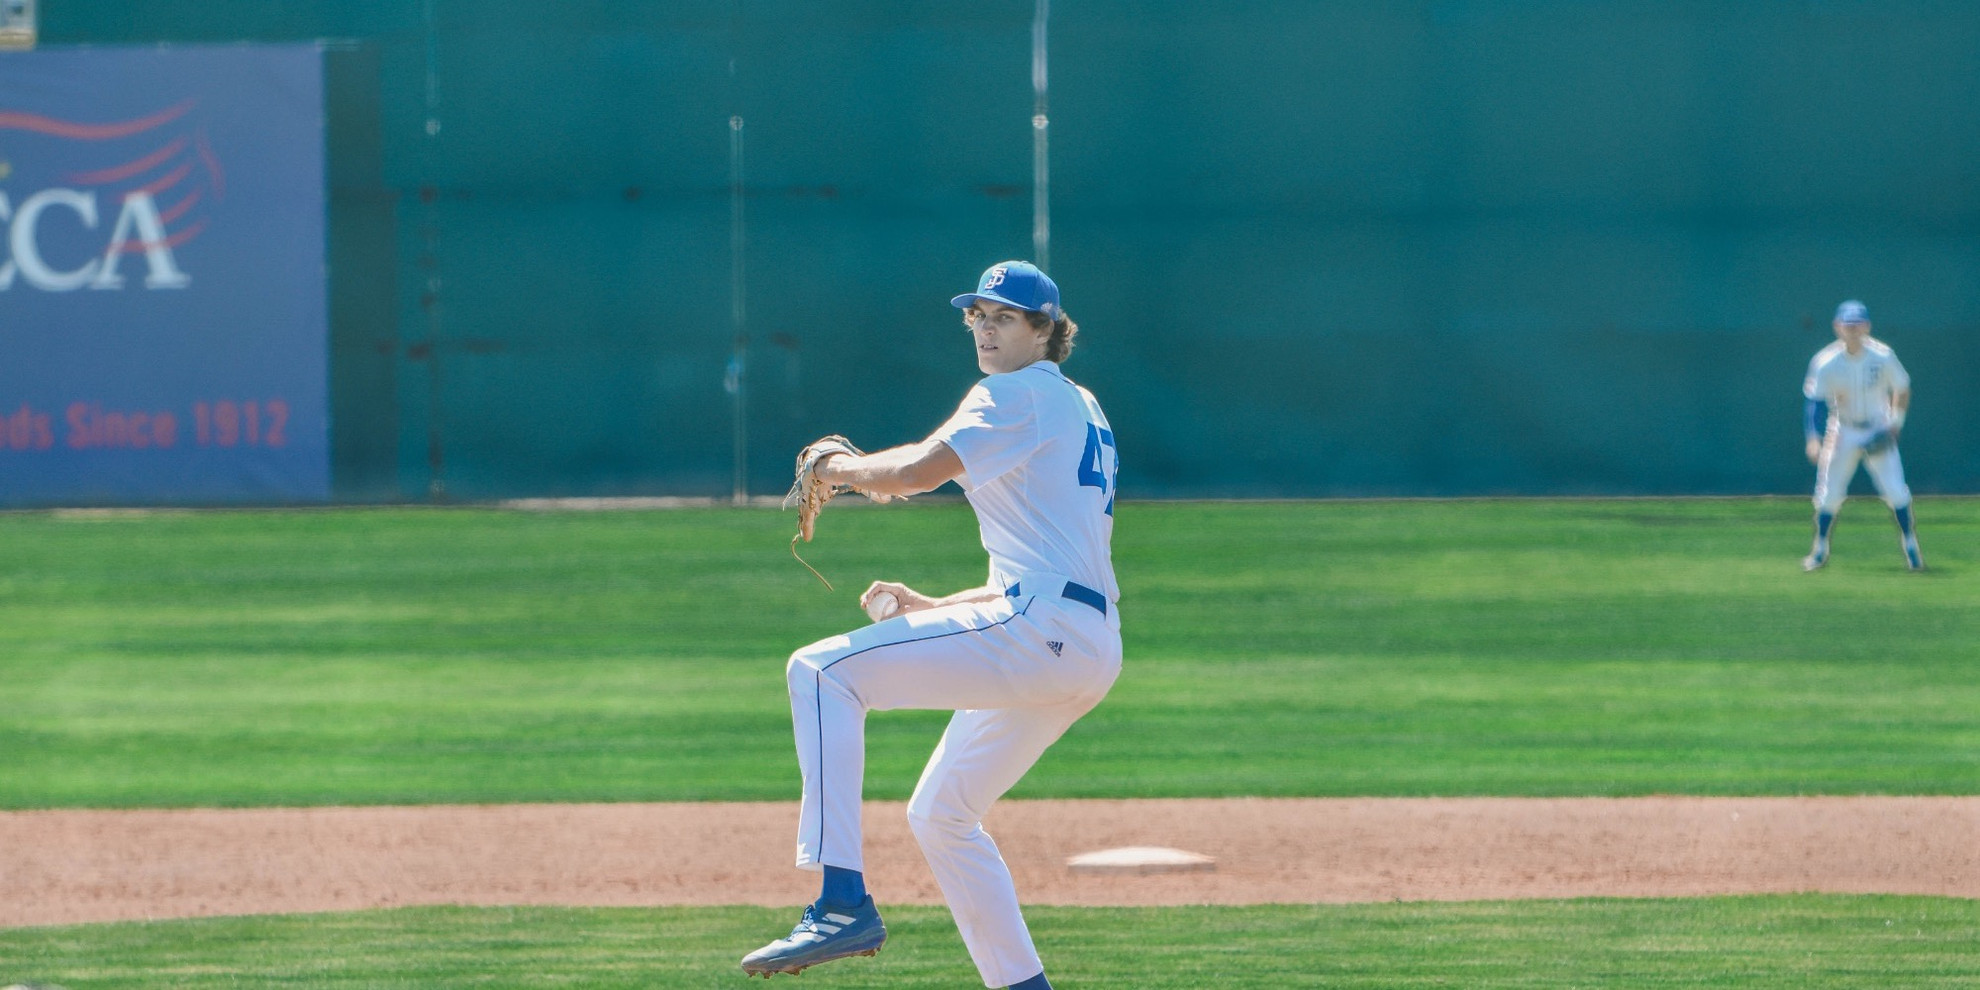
(821, 936)
(1814, 561)
(1912, 558)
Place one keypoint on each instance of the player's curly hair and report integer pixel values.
(1060, 344)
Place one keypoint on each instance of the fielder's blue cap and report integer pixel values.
(1852, 311)
(1015, 283)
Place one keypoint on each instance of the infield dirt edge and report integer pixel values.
(69, 866)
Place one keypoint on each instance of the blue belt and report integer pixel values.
(1075, 592)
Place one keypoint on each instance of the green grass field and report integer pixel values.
(1298, 649)
(1518, 647)
(1801, 942)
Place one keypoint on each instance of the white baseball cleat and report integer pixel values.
(1814, 561)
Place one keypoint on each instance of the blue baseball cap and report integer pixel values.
(1015, 283)
(1852, 311)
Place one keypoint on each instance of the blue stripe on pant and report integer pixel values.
(834, 766)
(1017, 672)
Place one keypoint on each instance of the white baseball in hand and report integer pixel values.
(882, 605)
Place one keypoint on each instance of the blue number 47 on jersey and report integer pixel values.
(1096, 470)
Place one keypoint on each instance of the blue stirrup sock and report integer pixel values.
(1904, 520)
(843, 888)
(1824, 520)
(1035, 983)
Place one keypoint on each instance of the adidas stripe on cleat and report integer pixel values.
(822, 935)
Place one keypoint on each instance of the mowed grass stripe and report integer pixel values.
(1803, 941)
(1515, 647)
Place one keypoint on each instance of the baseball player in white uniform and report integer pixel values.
(1865, 392)
(1019, 659)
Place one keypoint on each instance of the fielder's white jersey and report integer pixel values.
(1858, 389)
(1039, 465)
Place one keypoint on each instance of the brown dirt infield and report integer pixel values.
(80, 866)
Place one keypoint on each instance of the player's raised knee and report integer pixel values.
(818, 655)
(801, 673)
(807, 662)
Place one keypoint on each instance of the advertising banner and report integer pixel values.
(163, 334)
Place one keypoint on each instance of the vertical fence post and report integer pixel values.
(738, 374)
(430, 298)
(1041, 164)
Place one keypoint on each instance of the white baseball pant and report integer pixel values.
(1018, 672)
(1842, 451)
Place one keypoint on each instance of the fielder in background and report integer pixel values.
(1865, 392)
(1019, 659)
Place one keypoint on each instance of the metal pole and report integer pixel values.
(432, 298)
(1041, 165)
(738, 373)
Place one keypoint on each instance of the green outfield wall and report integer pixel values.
(1339, 248)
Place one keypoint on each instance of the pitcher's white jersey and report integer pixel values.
(1039, 464)
(1018, 660)
(1017, 669)
(1857, 389)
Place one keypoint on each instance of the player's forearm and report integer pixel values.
(901, 471)
(914, 601)
(983, 594)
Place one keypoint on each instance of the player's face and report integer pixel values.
(1852, 334)
(1005, 339)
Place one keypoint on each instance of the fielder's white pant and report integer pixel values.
(1018, 671)
(1842, 451)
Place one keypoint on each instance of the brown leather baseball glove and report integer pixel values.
(809, 493)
